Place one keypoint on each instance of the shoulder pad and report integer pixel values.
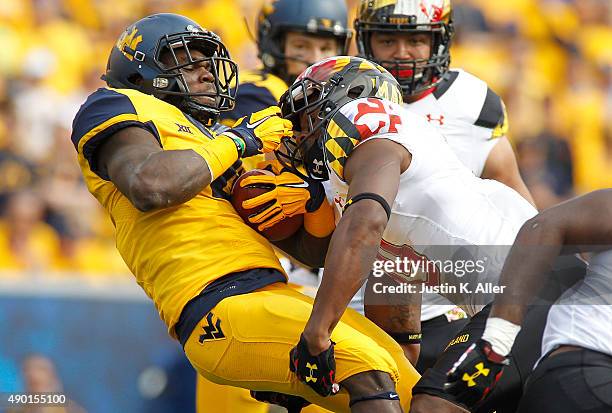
(100, 107)
(447, 81)
(469, 98)
(275, 85)
(105, 112)
(493, 115)
(355, 122)
(371, 116)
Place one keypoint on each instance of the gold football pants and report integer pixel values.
(245, 342)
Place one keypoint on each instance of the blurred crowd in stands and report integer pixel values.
(550, 60)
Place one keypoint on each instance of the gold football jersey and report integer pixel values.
(173, 252)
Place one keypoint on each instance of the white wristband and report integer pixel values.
(501, 334)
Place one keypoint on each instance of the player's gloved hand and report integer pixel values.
(318, 372)
(475, 374)
(289, 195)
(293, 404)
(261, 132)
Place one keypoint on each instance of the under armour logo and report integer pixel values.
(211, 332)
(480, 370)
(310, 378)
(317, 166)
(439, 119)
(183, 128)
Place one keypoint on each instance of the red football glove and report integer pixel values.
(475, 374)
(318, 372)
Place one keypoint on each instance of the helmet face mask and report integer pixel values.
(146, 58)
(303, 104)
(401, 17)
(219, 64)
(315, 98)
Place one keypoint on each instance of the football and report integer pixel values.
(284, 229)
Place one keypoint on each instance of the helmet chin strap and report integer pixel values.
(204, 114)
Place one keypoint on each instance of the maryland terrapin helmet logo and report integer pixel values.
(404, 17)
(405, 11)
(128, 42)
(313, 100)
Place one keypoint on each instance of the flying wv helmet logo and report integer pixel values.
(212, 331)
(128, 42)
(471, 379)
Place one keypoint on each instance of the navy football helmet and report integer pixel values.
(135, 62)
(317, 17)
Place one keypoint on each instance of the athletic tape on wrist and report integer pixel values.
(500, 334)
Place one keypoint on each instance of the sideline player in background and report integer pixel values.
(291, 35)
(574, 372)
(148, 157)
(411, 39)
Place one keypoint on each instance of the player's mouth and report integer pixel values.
(206, 100)
(210, 90)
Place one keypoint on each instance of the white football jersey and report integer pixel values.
(439, 203)
(582, 316)
(471, 117)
